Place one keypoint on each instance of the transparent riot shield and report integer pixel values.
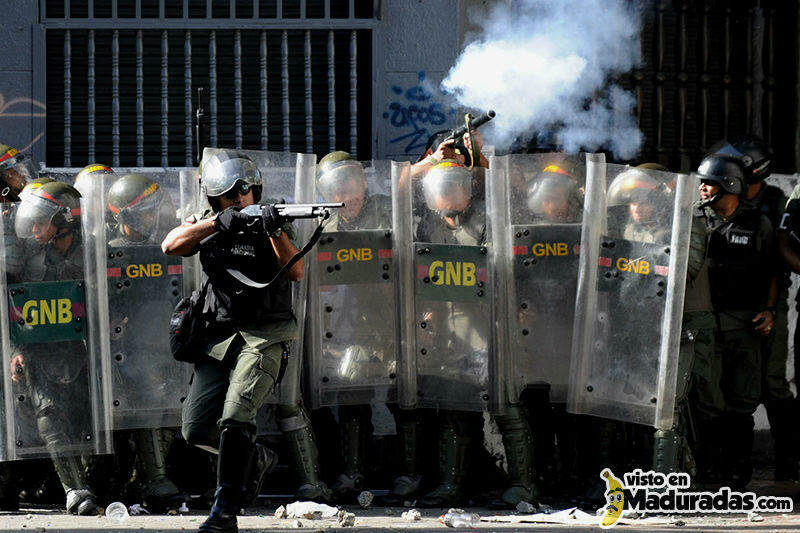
(191, 202)
(633, 260)
(286, 177)
(536, 205)
(142, 288)
(54, 382)
(445, 295)
(352, 294)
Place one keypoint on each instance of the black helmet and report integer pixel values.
(755, 155)
(727, 171)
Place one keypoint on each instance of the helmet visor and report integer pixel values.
(33, 211)
(553, 199)
(447, 192)
(15, 176)
(144, 215)
(218, 177)
(338, 176)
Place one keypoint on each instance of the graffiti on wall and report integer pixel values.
(414, 114)
(16, 108)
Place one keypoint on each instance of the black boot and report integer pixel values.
(455, 435)
(9, 492)
(261, 463)
(235, 454)
(406, 485)
(740, 449)
(707, 450)
(518, 444)
(355, 426)
(780, 413)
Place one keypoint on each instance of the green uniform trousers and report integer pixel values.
(774, 385)
(740, 353)
(230, 392)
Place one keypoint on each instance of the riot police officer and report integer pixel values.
(757, 159)
(741, 253)
(56, 376)
(340, 178)
(248, 329)
(637, 200)
(555, 196)
(142, 213)
(15, 171)
(456, 216)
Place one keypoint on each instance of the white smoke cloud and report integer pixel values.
(547, 65)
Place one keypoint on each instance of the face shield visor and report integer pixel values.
(219, 176)
(34, 210)
(144, 216)
(554, 199)
(15, 173)
(644, 196)
(447, 188)
(342, 179)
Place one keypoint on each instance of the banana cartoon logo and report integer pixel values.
(616, 499)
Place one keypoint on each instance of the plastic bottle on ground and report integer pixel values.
(117, 511)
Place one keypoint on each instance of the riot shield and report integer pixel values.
(445, 294)
(54, 382)
(634, 251)
(352, 298)
(290, 177)
(536, 204)
(142, 288)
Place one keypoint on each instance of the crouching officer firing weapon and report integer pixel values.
(247, 265)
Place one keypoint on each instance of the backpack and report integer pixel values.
(187, 327)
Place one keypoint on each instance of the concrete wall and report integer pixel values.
(420, 40)
(19, 111)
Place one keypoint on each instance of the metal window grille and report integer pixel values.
(122, 75)
(713, 70)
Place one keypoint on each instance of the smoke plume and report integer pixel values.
(546, 66)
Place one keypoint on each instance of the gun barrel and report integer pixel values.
(474, 124)
(330, 205)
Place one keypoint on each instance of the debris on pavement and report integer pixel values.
(310, 510)
(411, 515)
(365, 499)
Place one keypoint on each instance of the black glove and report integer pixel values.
(232, 219)
(273, 222)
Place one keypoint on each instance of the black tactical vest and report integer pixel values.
(231, 301)
(737, 267)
